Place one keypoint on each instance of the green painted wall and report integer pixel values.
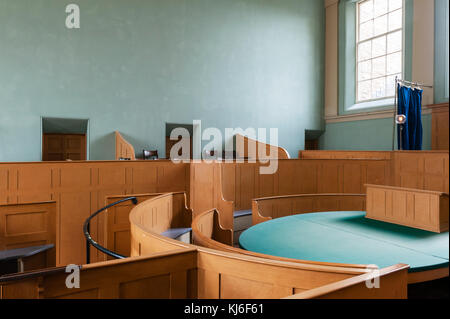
(367, 135)
(135, 65)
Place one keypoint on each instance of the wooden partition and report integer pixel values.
(233, 186)
(264, 209)
(208, 224)
(249, 148)
(427, 210)
(202, 273)
(421, 170)
(32, 224)
(207, 191)
(124, 150)
(380, 155)
(439, 126)
(80, 188)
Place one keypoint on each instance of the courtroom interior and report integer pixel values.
(224, 149)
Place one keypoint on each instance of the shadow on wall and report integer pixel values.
(103, 147)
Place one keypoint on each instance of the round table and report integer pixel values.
(350, 238)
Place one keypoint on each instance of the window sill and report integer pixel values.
(364, 106)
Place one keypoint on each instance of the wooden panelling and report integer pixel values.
(265, 209)
(392, 282)
(315, 154)
(22, 289)
(236, 276)
(422, 170)
(234, 185)
(124, 150)
(160, 276)
(426, 210)
(80, 188)
(25, 225)
(440, 127)
(203, 273)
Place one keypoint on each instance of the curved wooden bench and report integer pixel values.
(264, 209)
(161, 267)
(207, 232)
(229, 275)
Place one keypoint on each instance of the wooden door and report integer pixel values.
(62, 147)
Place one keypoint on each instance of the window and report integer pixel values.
(379, 48)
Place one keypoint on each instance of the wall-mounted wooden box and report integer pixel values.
(427, 210)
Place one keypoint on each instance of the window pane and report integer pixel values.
(364, 70)
(394, 63)
(379, 46)
(390, 84)
(380, 7)
(379, 88)
(394, 42)
(365, 11)
(395, 4)
(365, 50)
(364, 90)
(395, 20)
(379, 67)
(366, 30)
(380, 25)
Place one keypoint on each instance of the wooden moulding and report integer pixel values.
(422, 209)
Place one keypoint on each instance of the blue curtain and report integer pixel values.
(410, 105)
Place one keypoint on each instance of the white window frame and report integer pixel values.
(374, 102)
